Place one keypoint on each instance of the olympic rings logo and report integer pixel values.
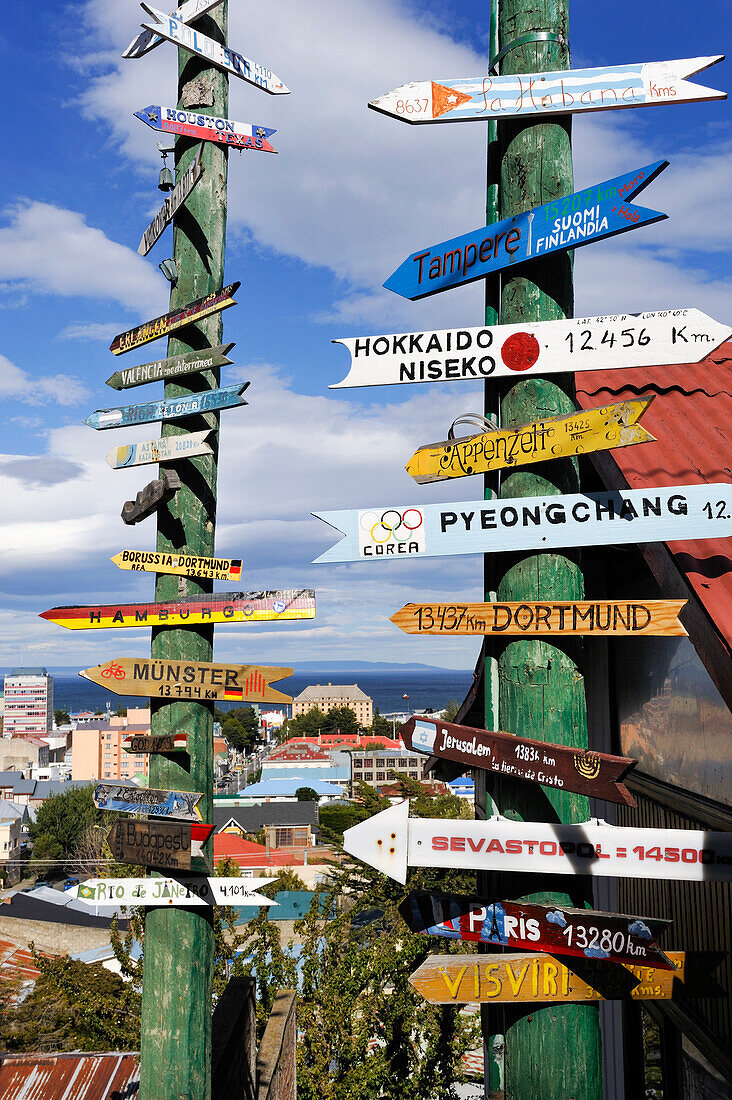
(391, 524)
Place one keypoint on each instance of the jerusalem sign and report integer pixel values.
(176, 319)
(182, 565)
(199, 680)
(220, 607)
(191, 124)
(614, 618)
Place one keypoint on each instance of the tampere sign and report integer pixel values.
(183, 890)
(161, 679)
(553, 437)
(187, 12)
(173, 203)
(220, 607)
(169, 449)
(180, 805)
(191, 124)
(590, 617)
(528, 926)
(662, 514)
(183, 565)
(600, 211)
(391, 841)
(162, 370)
(177, 318)
(527, 95)
(595, 774)
(170, 408)
(621, 341)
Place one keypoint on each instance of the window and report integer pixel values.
(412, 761)
(391, 762)
(368, 762)
(413, 775)
(380, 777)
(357, 764)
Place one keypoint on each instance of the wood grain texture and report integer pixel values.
(533, 618)
(200, 680)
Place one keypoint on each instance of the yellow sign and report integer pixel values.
(536, 620)
(189, 680)
(185, 565)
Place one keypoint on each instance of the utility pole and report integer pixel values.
(179, 943)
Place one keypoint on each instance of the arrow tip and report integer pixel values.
(381, 841)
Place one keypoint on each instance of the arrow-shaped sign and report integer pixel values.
(155, 743)
(182, 890)
(151, 498)
(182, 565)
(163, 370)
(180, 805)
(600, 211)
(615, 618)
(623, 341)
(663, 514)
(173, 203)
(528, 95)
(528, 926)
(595, 774)
(553, 437)
(169, 408)
(191, 124)
(165, 844)
(197, 680)
(170, 449)
(391, 842)
(187, 12)
(177, 318)
(233, 63)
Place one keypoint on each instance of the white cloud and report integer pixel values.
(89, 330)
(62, 389)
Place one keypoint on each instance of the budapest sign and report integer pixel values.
(187, 12)
(161, 679)
(173, 203)
(169, 449)
(183, 890)
(528, 95)
(529, 926)
(600, 211)
(182, 565)
(614, 618)
(155, 743)
(391, 842)
(163, 370)
(620, 341)
(191, 124)
(168, 408)
(663, 514)
(181, 805)
(577, 433)
(176, 319)
(219, 607)
(165, 844)
(595, 774)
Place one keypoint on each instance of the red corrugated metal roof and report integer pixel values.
(18, 962)
(692, 421)
(69, 1076)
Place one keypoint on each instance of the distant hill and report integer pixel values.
(299, 666)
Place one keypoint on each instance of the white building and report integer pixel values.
(28, 702)
(327, 696)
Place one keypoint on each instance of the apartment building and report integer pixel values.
(327, 696)
(96, 748)
(378, 768)
(28, 705)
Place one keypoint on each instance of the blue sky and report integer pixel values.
(312, 235)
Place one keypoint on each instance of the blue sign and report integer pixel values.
(170, 408)
(600, 211)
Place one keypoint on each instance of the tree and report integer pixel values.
(306, 794)
(121, 711)
(239, 727)
(380, 726)
(46, 854)
(64, 817)
(309, 724)
(449, 713)
(341, 720)
(61, 717)
(373, 746)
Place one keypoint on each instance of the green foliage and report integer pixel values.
(449, 713)
(45, 848)
(381, 727)
(61, 717)
(64, 817)
(424, 804)
(306, 794)
(374, 746)
(239, 727)
(308, 724)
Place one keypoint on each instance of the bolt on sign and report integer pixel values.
(663, 514)
(530, 95)
(553, 437)
(182, 890)
(622, 341)
(170, 449)
(187, 12)
(173, 202)
(163, 370)
(476, 979)
(153, 496)
(154, 743)
(176, 319)
(595, 774)
(191, 124)
(168, 408)
(391, 842)
(219, 607)
(183, 565)
(165, 844)
(181, 805)
(199, 680)
(598, 212)
(614, 618)
(529, 926)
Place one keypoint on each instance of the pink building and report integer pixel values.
(96, 747)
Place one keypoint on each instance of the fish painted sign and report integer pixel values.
(151, 498)
(530, 95)
(171, 448)
(173, 202)
(176, 319)
(187, 12)
(391, 842)
(663, 514)
(183, 890)
(154, 743)
(528, 926)
(613, 618)
(620, 341)
(583, 771)
(220, 607)
(182, 565)
(192, 124)
(577, 433)
(199, 680)
(168, 845)
(598, 212)
(168, 408)
(180, 805)
(164, 370)
(231, 62)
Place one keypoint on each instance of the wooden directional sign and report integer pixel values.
(528, 95)
(152, 497)
(191, 124)
(391, 843)
(600, 211)
(480, 979)
(170, 449)
(163, 370)
(187, 12)
(176, 319)
(233, 63)
(553, 437)
(180, 805)
(170, 408)
(153, 743)
(617, 618)
(219, 607)
(183, 890)
(173, 203)
(189, 680)
(663, 514)
(621, 341)
(529, 926)
(165, 844)
(595, 774)
(182, 565)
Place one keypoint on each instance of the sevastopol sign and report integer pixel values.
(183, 890)
(186, 13)
(170, 449)
(168, 408)
(663, 514)
(598, 212)
(163, 370)
(192, 124)
(173, 203)
(176, 319)
(530, 95)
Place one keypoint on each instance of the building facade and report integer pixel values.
(96, 749)
(327, 696)
(28, 707)
(379, 768)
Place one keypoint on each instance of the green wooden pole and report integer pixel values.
(179, 943)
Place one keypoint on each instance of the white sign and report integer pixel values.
(391, 842)
(168, 449)
(622, 340)
(187, 12)
(182, 890)
(172, 203)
